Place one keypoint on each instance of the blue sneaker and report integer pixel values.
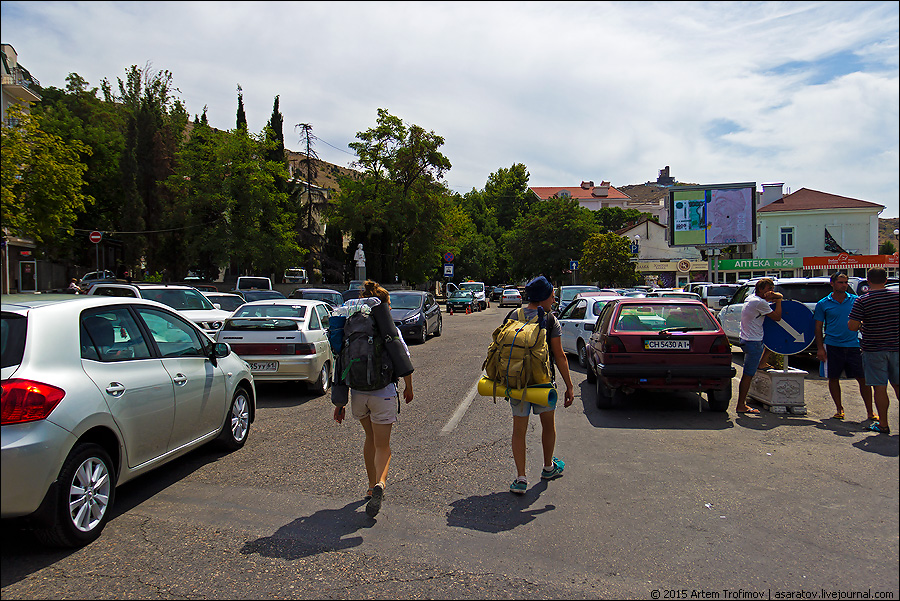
(558, 466)
(518, 487)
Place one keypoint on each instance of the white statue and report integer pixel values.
(360, 256)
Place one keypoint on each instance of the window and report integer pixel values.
(787, 237)
(112, 335)
(173, 336)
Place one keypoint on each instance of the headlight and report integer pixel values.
(211, 325)
(412, 319)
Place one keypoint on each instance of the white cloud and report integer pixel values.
(573, 90)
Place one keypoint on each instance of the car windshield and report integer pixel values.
(664, 316)
(333, 298)
(461, 295)
(721, 290)
(255, 295)
(227, 303)
(804, 293)
(570, 292)
(292, 311)
(180, 300)
(234, 324)
(474, 287)
(405, 301)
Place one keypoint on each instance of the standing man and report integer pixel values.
(756, 309)
(877, 312)
(838, 349)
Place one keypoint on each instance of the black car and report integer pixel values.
(497, 292)
(255, 295)
(332, 297)
(416, 314)
(351, 294)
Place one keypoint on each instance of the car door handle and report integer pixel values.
(115, 389)
(180, 379)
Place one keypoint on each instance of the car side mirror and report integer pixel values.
(219, 351)
(724, 301)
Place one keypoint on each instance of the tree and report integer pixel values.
(42, 179)
(612, 219)
(310, 202)
(241, 121)
(887, 248)
(606, 260)
(398, 205)
(546, 238)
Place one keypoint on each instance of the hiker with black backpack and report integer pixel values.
(370, 362)
(539, 294)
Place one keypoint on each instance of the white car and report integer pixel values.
(187, 300)
(283, 339)
(480, 292)
(808, 291)
(98, 391)
(577, 321)
(511, 297)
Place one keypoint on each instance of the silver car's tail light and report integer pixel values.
(28, 401)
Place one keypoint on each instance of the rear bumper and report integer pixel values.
(667, 376)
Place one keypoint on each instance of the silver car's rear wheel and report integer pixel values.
(322, 385)
(85, 494)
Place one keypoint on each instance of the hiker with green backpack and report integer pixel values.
(371, 360)
(534, 370)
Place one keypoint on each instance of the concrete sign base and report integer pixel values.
(780, 390)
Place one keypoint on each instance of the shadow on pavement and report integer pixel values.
(320, 532)
(498, 511)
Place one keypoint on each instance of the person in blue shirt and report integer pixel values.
(839, 348)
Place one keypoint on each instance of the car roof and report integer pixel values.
(286, 301)
(25, 302)
(657, 300)
(595, 293)
(318, 290)
(146, 285)
(221, 294)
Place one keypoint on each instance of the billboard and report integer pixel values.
(712, 215)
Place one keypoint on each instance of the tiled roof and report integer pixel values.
(804, 199)
(577, 192)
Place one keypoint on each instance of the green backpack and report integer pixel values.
(518, 356)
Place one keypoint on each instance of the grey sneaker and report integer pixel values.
(558, 466)
(374, 504)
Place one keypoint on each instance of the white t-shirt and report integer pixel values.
(752, 317)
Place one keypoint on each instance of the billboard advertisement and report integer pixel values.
(712, 215)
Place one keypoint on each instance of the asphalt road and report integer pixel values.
(659, 500)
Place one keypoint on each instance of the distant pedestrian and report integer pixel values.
(838, 348)
(877, 314)
(754, 313)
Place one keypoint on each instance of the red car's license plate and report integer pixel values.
(667, 345)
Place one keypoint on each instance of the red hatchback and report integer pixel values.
(659, 344)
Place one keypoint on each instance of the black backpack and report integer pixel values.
(364, 361)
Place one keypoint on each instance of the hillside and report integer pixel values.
(328, 174)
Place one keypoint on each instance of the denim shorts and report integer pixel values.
(753, 351)
(521, 408)
(881, 367)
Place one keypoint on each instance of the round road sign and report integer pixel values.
(448, 257)
(96, 237)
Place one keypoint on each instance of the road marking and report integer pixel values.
(461, 410)
(798, 337)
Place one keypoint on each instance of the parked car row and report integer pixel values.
(99, 389)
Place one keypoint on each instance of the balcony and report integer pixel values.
(20, 85)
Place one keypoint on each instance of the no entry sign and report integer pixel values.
(96, 237)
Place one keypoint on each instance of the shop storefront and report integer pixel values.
(853, 265)
(732, 270)
(672, 274)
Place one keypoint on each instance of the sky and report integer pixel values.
(802, 93)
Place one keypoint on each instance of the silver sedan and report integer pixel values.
(98, 390)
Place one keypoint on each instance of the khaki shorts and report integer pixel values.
(381, 407)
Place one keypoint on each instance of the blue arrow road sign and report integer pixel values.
(793, 333)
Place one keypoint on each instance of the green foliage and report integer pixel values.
(611, 219)
(546, 238)
(399, 203)
(887, 248)
(605, 259)
(42, 179)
